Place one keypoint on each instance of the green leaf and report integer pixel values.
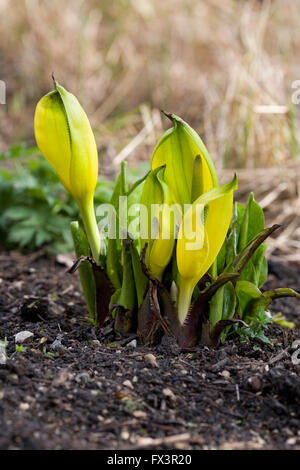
(255, 270)
(229, 248)
(21, 236)
(252, 300)
(37, 193)
(138, 183)
(81, 247)
(134, 199)
(244, 256)
(140, 279)
(115, 300)
(232, 238)
(222, 305)
(103, 192)
(221, 258)
(18, 213)
(255, 328)
(152, 194)
(229, 301)
(263, 272)
(128, 292)
(216, 307)
(253, 222)
(113, 266)
(240, 247)
(114, 248)
(247, 292)
(42, 236)
(280, 319)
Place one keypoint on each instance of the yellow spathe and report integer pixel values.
(178, 149)
(65, 138)
(200, 239)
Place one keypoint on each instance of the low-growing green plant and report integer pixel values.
(35, 211)
(20, 348)
(47, 353)
(172, 254)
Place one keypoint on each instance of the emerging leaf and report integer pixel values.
(65, 138)
(178, 149)
(85, 269)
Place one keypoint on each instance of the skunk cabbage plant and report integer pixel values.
(171, 254)
(65, 138)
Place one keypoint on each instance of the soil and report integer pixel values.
(75, 387)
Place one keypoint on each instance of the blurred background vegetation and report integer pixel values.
(212, 62)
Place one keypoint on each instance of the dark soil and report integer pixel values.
(93, 391)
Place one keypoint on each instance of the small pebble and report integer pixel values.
(23, 337)
(291, 441)
(24, 406)
(124, 435)
(128, 384)
(13, 378)
(163, 405)
(132, 344)
(124, 393)
(151, 359)
(180, 445)
(254, 383)
(83, 377)
(225, 374)
(168, 393)
(56, 345)
(139, 414)
(3, 356)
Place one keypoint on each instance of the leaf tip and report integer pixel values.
(55, 84)
(168, 115)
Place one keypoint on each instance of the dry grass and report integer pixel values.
(212, 62)
(278, 193)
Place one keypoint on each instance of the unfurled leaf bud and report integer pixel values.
(189, 168)
(65, 138)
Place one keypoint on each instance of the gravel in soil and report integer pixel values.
(71, 386)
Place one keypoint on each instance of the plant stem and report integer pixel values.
(184, 298)
(91, 227)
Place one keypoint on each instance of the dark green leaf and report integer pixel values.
(81, 247)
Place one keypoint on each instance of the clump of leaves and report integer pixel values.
(35, 211)
(174, 255)
(255, 329)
